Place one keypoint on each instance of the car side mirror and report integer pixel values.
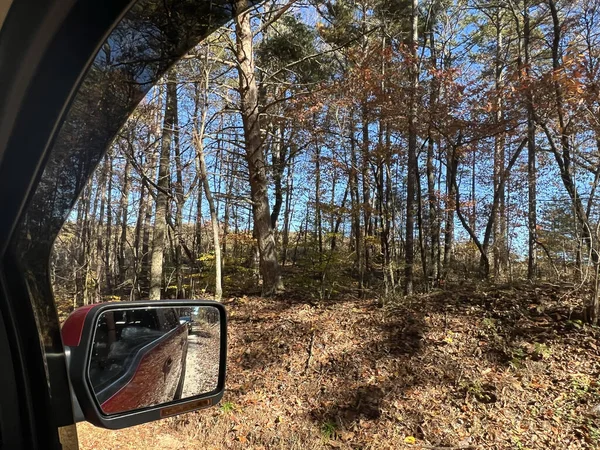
(135, 362)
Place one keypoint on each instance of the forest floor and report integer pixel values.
(473, 366)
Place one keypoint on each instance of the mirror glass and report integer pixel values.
(144, 357)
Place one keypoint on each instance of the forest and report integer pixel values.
(411, 184)
(384, 147)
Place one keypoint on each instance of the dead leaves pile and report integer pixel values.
(472, 367)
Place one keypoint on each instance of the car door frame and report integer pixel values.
(45, 49)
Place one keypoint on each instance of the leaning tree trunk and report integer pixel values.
(255, 155)
(213, 212)
(198, 135)
(563, 159)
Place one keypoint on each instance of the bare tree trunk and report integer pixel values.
(146, 244)
(355, 207)
(366, 191)
(227, 207)
(255, 157)
(124, 206)
(499, 221)
(531, 158)
(389, 216)
(422, 243)
(279, 156)
(434, 223)
(338, 221)
(108, 238)
(179, 197)
(83, 253)
(318, 216)
(211, 206)
(472, 194)
(198, 136)
(484, 264)
(409, 256)
(198, 225)
(288, 210)
(138, 243)
(199, 220)
(99, 267)
(451, 169)
(162, 195)
(563, 159)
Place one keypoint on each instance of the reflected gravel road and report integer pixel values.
(202, 363)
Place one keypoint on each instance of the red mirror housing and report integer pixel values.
(97, 385)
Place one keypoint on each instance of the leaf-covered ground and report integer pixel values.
(470, 367)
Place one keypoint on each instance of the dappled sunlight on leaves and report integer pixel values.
(471, 367)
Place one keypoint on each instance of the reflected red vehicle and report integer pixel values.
(138, 358)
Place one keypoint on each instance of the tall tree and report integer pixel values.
(413, 169)
(254, 152)
(198, 138)
(531, 150)
(163, 189)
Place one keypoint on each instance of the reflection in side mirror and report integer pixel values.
(133, 362)
(145, 357)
